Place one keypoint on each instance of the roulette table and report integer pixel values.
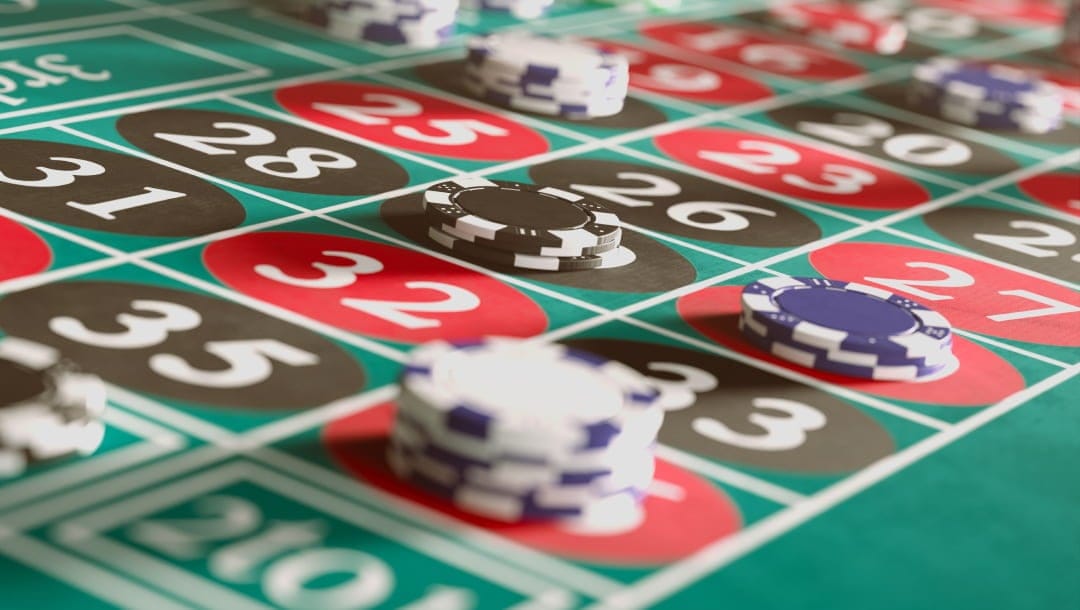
(219, 211)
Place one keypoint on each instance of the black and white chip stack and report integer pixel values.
(516, 430)
(523, 226)
(545, 75)
(49, 409)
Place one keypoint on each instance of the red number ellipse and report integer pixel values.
(753, 48)
(1061, 191)
(652, 71)
(22, 252)
(983, 377)
(973, 295)
(412, 121)
(373, 289)
(692, 514)
(791, 168)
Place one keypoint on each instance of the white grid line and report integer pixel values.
(82, 530)
(249, 37)
(84, 575)
(240, 70)
(120, 16)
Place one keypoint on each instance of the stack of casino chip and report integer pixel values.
(416, 23)
(521, 9)
(986, 95)
(862, 27)
(49, 409)
(523, 226)
(516, 430)
(847, 328)
(544, 75)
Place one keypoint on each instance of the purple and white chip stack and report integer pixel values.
(847, 328)
(545, 75)
(516, 430)
(520, 9)
(415, 23)
(986, 95)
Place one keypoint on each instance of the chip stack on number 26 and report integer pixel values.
(524, 226)
(515, 430)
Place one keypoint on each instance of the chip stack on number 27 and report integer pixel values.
(847, 328)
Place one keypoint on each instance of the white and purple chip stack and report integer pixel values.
(415, 23)
(544, 75)
(520, 9)
(514, 430)
(986, 95)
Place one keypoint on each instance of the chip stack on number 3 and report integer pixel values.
(514, 430)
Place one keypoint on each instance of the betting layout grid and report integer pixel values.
(670, 326)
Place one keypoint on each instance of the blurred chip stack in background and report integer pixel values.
(987, 95)
(49, 408)
(415, 23)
